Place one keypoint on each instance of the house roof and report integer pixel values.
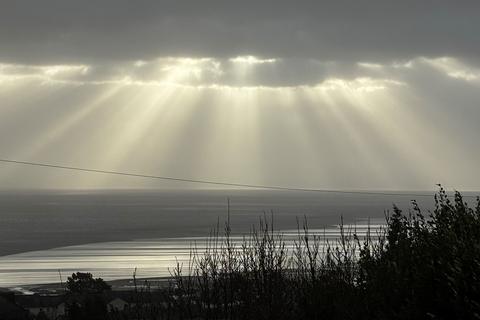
(11, 311)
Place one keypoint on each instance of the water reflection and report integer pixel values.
(118, 260)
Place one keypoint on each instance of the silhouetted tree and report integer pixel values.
(85, 299)
(84, 283)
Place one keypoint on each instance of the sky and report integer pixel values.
(347, 95)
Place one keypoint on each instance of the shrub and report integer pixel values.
(423, 265)
(429, 264)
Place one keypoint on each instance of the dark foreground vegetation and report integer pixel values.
(423, 265)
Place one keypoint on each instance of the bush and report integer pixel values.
(429, 265)
(422, 265)
(425, 265)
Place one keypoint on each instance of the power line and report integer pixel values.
(210, 182)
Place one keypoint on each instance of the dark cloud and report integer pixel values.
(58, 31)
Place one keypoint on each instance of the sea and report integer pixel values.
(45, 236)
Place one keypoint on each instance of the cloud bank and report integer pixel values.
(86, 32)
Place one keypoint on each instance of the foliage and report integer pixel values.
(429, 265)
(85, 298)
(84, 283)
(423, 265)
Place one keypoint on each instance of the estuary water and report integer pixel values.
(110, 233)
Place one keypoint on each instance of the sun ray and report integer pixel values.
(63, 125)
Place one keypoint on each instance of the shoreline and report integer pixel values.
(41, 221)
(126, 284)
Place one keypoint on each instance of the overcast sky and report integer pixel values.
(315, 94)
